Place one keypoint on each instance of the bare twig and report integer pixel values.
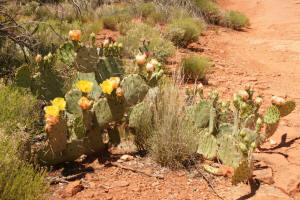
(135, 170)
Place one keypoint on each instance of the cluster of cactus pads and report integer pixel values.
(98, 101)
(232, 134)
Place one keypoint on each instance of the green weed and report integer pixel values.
(196, 67)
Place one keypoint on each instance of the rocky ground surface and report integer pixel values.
(267, 55)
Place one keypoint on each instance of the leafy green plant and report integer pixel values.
(17, 108)
(210, 11)
(144, 9)
(235, 20)
(110, 22)
(19, 179)
(184, 31)
(196, 66)
(159, 47)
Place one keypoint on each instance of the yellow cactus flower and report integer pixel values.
(115, 82)
(84, 86)
(51, 111)
(84, 103)
(60, 103)
(107, 87)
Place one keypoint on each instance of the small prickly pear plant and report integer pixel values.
(232, 134)
(97, 103)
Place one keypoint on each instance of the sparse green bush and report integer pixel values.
(18, 179)
(184, 31)
(235, 20)
(17, 108)
(173, 140)
(196, 66)
(42, 12)
(210, 11)
(144, 9)
(110, 22)
(159, 47)
(29, 8)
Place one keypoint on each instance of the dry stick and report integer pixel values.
(136, 171)
(209, 184)
(57, 180)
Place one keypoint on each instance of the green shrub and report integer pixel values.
(17, 108)
(144, 9)
(29, 8)
(210, 11)
(172, 142)
(184, 31)
(196, 66)
(159, 47)
(110, 22)
(42, 12)
(18, 179)
(235, 20)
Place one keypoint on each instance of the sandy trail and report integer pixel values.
(267, 55)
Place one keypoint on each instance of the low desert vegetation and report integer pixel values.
(196, 66)
(235, 20)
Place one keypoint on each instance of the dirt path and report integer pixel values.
(267, 56)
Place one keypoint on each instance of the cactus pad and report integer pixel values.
(78, 127)
(109, 67)
(287, 108)
(200, 113)
(66, 53)
(140, 116)
(58, 136)
(135, 89)
(272, 115)
(72, 98)
(207, 145)
(86, 59)
(22, 77)
(229, 152)
(241, 173)
(96, 90)
(270, 129)
(102, 112)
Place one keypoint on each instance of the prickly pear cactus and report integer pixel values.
(135, 89)
(102, 112)
(66, 53)
(241, 173)
(200, 113)
(96, 90)
(229, 152)
(109, 67)
(72, 98)
(86, 59)
(207, 145)
(272, 115)
(22, 77)
(58, 136)
(287, 108)
(140, 117)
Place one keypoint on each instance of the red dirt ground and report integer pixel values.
(267, 56)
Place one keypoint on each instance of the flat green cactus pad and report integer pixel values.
(140, 116)
(229, 152)
(200, 113)
(109, 67)
(272, 115)
(78, 127)
(210, 169)
(241, 173)
(72, 98)
(270, 129)
(224, 128)
(287, 108)
(207, 145)
(66, 53)
(103, 112)
(22, 77)
(135, 89)
(86, 59)
(96, 90)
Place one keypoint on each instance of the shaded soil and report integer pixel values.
(268, 57)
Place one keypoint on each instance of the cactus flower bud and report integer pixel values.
(38, 58)
(52, 120)
(200, 87)
(247, 87)
(258, 101)
(243, 147)
(278, 101)
(243, 133)
(244, 95)
(120, 45)
(140, 59)
(235, 97)
(106, 43)
(150, 67)
(259, 121)
(75, 35)
(115, 82)
(84, 103)
(119, 92)
(154, 62)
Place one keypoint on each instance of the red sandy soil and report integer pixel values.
(267, 55)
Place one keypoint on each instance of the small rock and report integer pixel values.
(273, 142)
(265, 175)
(74, 187)
(126, 157)
(120, 184)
